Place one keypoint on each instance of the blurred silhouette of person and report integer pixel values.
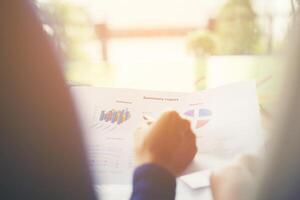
(277, 175)
(42, 155)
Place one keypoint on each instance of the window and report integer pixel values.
(176, 45)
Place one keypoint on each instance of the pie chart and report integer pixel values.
(201, 116)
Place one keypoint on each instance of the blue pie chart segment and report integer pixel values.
(204, 112)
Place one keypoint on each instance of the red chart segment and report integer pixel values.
(201, 123)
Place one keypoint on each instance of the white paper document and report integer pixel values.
(225, 120)
(197, 180)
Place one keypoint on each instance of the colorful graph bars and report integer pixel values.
(115, 116)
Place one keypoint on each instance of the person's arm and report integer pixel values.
(151, 181)
(163, 152)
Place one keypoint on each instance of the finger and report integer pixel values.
(214, 184)
(183, 128)
(250, 162)
(188, 146)
(190, 133)
(192, 144)
(190, 139)
(169, 122)
(186, 125)
(172, 117)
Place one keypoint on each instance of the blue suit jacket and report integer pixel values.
(153, 182)
(41, 151)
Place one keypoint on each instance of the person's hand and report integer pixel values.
(169, 142)
(235, 181)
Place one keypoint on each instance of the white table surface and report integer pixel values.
(122, 192)
(183, 192)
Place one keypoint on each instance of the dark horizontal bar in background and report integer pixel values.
(105, 32)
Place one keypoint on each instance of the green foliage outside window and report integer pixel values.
(70, 26)
(234, 32)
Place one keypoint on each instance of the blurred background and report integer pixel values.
(174, 45)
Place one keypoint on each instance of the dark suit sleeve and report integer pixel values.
(42, 156)
(153, 182)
